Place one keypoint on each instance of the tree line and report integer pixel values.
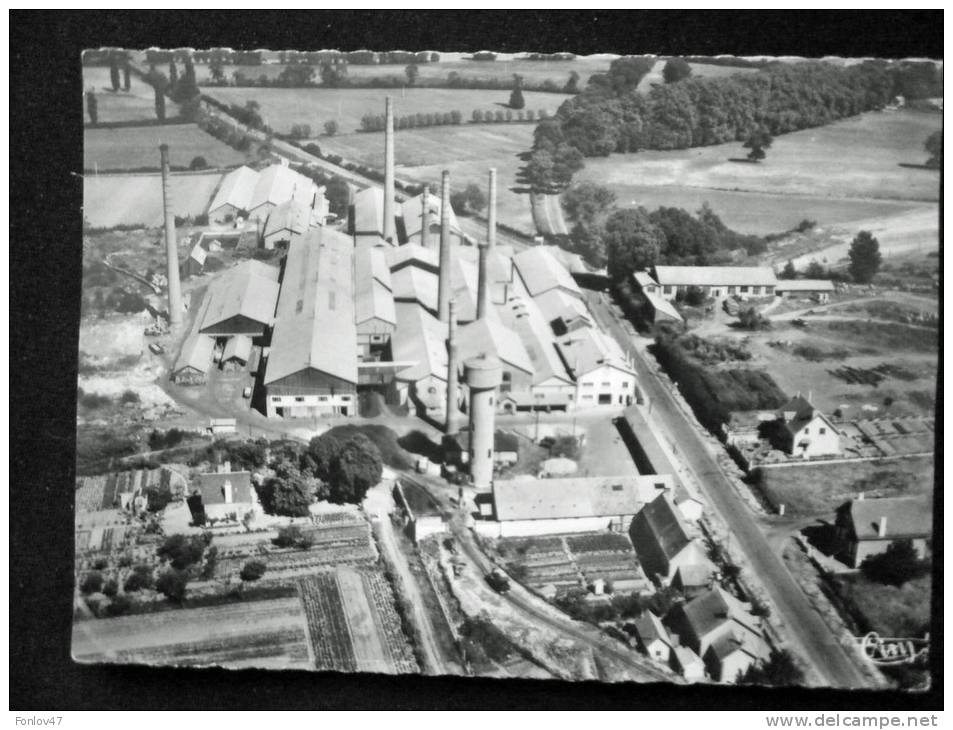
(611, 115)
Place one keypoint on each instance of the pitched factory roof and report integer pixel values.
(541, 272)
(488, 336)
(212, 487)
(715, 276)
(644, 279)
(572, 261)
(412, 284)
(249, 289)
(412, 254)
(907, 517)
(587, 349)
(238, 347)
(372, 287)
(649, 627)
(559, 304)
(522, 316)
(419, 338)
(369, 211)
(573, 497)
(805, 285)
(693, 574)
(411, 210)
(236, 189)
(277, 184)
(292, 216)
(314, 325)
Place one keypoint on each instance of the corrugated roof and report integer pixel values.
(238, 346)
(278, 184)
(369, 211)
(572, 261)
(559, 304)
(541, 271)
(314, 326)
(236, 189)
(291, 216)
(805, 285)
(419, 338)
(249, 289)
(715, 276)
(198, 254)
(488, 337)
(644, 279)
(907, 517)
(572, 497)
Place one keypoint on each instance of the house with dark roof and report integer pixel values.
(688, 664)
(693, 579)
(722, 631)
(222, 496)
(653, 637)
(806, 432)
(869, 526)
(662, 540)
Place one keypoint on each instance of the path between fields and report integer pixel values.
(395, 558)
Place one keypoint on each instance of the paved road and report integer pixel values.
(805, 626)
(535, 609)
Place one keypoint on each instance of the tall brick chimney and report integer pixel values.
(483, 286)
(171, 249)
(425, 218)
(443, 294)
(390, 232)
(452, 412)
(491, 213)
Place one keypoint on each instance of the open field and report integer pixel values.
(112, 200)
(138, 147)
(282, 108)
(819, 489)
(846, 171)
(533, 72)
(266, 634)
(888, 610)
(137, 104)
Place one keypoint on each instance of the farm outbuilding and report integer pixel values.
(195, 263)
(869, 526)
(242, 300)
(662, 540)
(233, 195)
(818, 290)
(194, 361)
(716, 281)
(289, 219)
(237, 351)
(279, 184)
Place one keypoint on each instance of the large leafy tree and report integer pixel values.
(675, 70)
(632, 242)
(758, 141)
(290, 492)
(896, 565)
(516, 96)
(319, 456)
(779, 671)
(114, 72)
(587, 203)
(788, 272)
(865, 258)
(357, 468)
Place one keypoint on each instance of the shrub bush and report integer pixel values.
(173, 585)
(253, 570)
(141, 578)
(92, 582)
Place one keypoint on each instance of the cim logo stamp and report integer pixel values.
(886, 652)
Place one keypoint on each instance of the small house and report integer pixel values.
(662, 541)
(688, 664)
(237, 352)
(817, 290)
(869, 526)
(693, 580)
(653, 637)
(222, 496)
(195, 263)
(805, 431)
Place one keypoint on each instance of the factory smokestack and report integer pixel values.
(171, 250)
(483, 375)
(443, 294)
(425, 218)
(390, 233)
(491, 213)
(483, 287)
(452, 412)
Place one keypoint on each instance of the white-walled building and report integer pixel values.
(602, 373)
(713, 281)
(807, 432)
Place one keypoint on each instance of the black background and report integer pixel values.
(45, 256)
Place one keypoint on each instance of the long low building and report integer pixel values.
(247, 192)
(714, 281)
(574, 504)
(312, 365)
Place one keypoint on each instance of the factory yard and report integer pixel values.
(132, 148)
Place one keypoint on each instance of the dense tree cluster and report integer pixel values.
(934, 145)
(779, 670)
(675, 70)
(470, 200)
(611, 115)
(865, 258)
(377, 122)
(896, 565)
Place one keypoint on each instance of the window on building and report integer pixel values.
(744, 289)
(823, 431)
(732, 289)
(346, 398)
(807, 431)
(667, 289)
(299, 399)
(588, 385)
(605, 398)
(322, 399)
(276, 399)
(489, 453)
(587, 397)
(491, 400)
(507, 383)
(607, 385)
